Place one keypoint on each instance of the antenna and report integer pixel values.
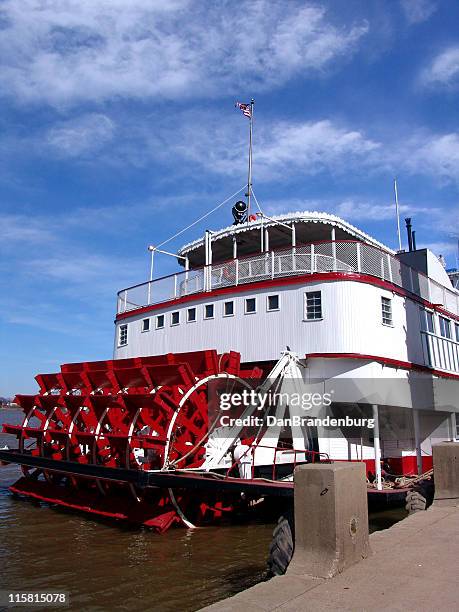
(398, 215)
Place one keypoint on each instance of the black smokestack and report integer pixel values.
(413, 235)
(409, 232)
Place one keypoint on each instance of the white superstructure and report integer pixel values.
(346, 304)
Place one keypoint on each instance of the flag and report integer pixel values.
(245, 108)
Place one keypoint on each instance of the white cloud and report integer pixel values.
(63, 52)
(287, 205)
(417, 11)
(443, 220)
(45, 251)
(443, 70)
(281, 149)
(291, 149)
(23, 230)
(43, 315)
(440, 248)
(75, 269)
(435, 155)
(354, 209)
(52, 252)
(311, 147)
(81, 135)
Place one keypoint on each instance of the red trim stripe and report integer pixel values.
(391, 363)
(304, 279)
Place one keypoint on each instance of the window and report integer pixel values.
(123, 338)
(159, 321)
(386, 307)
(427, 321)
(313, 305)
(175, 317)
(146, 325)
(228, 309)
(209, 311)
(457, 332)
(191, 315)
(250, 305)
(273, 302)
(445, 327)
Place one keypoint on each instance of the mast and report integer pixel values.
(249, 179)
(398, 215)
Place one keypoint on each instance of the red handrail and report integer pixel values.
(253, 447)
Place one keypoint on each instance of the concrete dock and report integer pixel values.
(413, 567)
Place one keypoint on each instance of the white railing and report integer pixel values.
(439, 352)
(322, 257)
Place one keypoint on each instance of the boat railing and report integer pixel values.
(323, 257)
(256, 455)
(440, 352)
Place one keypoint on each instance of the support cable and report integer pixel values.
(256, 202)
(201, 218)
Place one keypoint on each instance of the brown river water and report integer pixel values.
(103, 565)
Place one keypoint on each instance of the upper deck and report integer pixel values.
(292, 246)
(272, 233)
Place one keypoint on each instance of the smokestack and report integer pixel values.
(410, 235)
(413, 235)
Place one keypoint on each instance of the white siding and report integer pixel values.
(352, 323)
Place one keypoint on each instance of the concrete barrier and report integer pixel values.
(446, 473)
(331, 519)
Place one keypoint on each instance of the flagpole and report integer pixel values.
(249, 180)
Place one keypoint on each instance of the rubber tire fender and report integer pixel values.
(282, 545)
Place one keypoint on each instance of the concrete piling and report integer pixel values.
(331, 518)
(446, 473)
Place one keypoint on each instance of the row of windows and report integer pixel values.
(445, 325)
(209, 312)
(313, 311)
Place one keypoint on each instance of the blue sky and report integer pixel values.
(118, 128)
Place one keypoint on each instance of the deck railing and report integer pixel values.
(333, 256)
(439, 352)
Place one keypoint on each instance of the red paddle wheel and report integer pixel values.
(147, 413)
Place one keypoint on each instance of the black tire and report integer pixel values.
(421, 496)
(282, 545)
(427, 489)
(415, 502)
